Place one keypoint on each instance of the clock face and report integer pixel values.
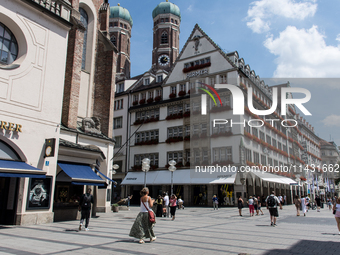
(48, 151)
(163, 60)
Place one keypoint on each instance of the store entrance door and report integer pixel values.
(7, 200)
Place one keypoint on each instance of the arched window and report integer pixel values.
(7, 153)
(84, 19)
(164, 37)
(8, 46)
(113, 40)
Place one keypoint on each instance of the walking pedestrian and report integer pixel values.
(259, 205)
(297, 203)
(128, 201)
(272, 203)
(173, 205)
(215, 202)
(251, 206)
(318, 203)
(307, 202)
(256, 206)
(159, 202)
(304, 206)
(85, 208)
(329, 202)
(240, 205)
(280, 199)
(336, 211)
(166, 204)
(142, 227)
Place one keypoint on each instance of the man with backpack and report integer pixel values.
(272, 203)
(85, 208)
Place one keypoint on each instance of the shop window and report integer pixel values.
(8, 46)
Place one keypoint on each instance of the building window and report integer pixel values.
(172, 20)
(187, 130)
(256, 158)
(8, 46)
(197, 156)
(173, 89)
(255, 131)
(269, 139)
(182, 87)
(223, 79)
(176, 155)
(175, 132)
(147, 114)
(117, 122)
(187, 152)
(159, 78)
(274, 142)
(262, 136)
(205, 155)
(159, 92)
(176, 22)
(118, 104)
(248, 155)
(118, 143)
(111, 24)
(135, 98)
(263, 160)
(115, 24)
(120, 88)
(125, 26)
(121, 25)
(147, 136)
(146, 81)
(84, 19)
(113, 40)
(175, 109)
(150, 94)
(142, 95)
(164, 38)
(152, 156)
(223, 154)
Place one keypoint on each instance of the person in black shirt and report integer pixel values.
(318, 203)
(85, 208)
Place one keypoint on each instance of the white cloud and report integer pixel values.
(332, 120)
(303, 53)
(190, 8)
(260, 12)
(338, 38)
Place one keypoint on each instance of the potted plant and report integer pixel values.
(115, 207)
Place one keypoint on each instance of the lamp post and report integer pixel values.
(114, 168)
(172, 169)
(145, 168)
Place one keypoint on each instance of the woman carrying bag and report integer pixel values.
(336, 211)
(142, 227)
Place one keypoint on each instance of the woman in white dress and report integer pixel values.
(303, 205)
(142, 228)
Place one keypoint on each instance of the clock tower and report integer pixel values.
(166, 19)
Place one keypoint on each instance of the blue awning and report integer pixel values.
(10, 168)
(80, 174)
(88, 183)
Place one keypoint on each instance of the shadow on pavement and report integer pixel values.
(310, 248)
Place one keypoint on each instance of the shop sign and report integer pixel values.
(197, 73)
(10, 126)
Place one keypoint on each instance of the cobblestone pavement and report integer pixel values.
(194, 231)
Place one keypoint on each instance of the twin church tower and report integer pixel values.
(166, 28)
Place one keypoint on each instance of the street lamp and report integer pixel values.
(172, 169)
(113, 171)
(145, 168)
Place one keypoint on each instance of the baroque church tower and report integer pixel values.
(167, 18)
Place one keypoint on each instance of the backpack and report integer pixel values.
(271, 201)
(86, 201)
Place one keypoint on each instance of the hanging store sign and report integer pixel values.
(10, 126)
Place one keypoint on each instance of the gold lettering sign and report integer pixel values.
(10, 126)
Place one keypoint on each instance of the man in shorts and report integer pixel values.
(272, 202)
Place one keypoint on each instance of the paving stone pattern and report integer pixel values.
(194, 231)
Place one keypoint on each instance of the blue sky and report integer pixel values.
(277, 38)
